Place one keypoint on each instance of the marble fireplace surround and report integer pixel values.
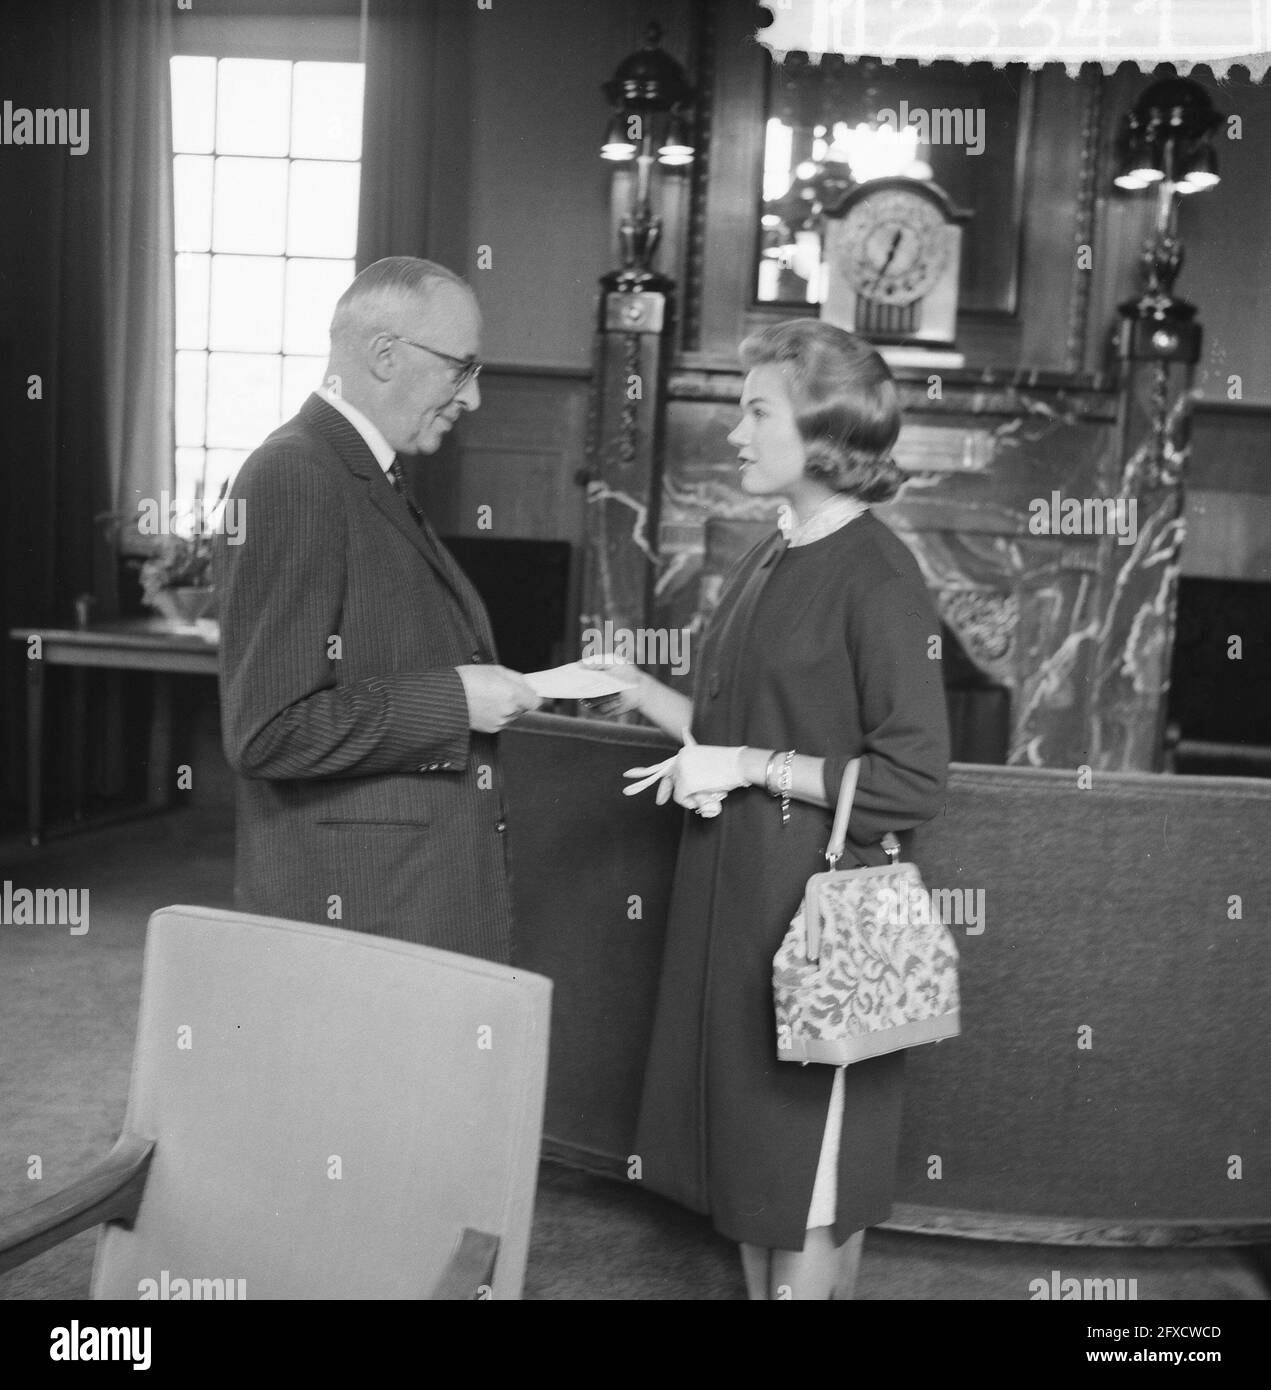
(1076, 627)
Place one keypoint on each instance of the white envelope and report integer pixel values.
(575, 681)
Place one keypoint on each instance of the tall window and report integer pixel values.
(266, 167)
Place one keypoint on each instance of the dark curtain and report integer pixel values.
(82, 308)
(416, 129)
(416, 132)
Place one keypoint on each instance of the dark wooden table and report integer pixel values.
(139, 644)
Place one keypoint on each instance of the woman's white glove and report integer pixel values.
(705, 769)
(699, 776)
(659, 772)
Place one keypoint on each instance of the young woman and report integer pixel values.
(821, 649)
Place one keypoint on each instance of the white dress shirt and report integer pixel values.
(375, 441)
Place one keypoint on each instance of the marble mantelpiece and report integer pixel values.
(1077, 627)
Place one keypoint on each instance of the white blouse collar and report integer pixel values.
(832, 515)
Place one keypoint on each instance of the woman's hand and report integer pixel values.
(661, 773)
(624, 701)
(699, 776)
(705, 770)
(658, 703)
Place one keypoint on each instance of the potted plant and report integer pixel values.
(176, 576)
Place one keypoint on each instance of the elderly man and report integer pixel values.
(360, 695)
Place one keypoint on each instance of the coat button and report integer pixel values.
(478, 657)
(500, 826)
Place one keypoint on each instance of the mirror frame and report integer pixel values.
(1055, 333)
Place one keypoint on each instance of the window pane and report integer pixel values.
(326, 111)
(253, 106)
(322, 217)
(189, 472)
(191, 397)
(251, 205)
(222, 464)
(242, 399)
(246, 303)
(193, 105)
(300, 376)
(192, 278)
(192, 201)
(312, 290)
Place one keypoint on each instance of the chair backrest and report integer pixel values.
(331, 1111)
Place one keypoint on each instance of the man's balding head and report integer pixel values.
(378, 364)
(378, 294)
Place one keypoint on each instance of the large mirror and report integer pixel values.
(834, 125)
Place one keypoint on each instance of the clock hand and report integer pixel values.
(891, 256)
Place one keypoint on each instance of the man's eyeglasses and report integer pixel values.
(464, 369)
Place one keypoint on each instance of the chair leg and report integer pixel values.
(470, 1270)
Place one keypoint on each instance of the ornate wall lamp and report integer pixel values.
(649, 125)
(649, 95)
(1165, 145)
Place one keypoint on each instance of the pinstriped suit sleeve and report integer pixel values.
(285, 714)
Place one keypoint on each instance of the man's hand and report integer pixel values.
(496, 696)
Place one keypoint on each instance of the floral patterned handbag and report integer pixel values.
(867, 966)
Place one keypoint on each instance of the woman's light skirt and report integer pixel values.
(825, 1188)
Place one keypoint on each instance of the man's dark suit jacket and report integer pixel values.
(363, 799)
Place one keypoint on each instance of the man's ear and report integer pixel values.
(381, 360)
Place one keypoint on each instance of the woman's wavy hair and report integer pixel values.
(845, 404)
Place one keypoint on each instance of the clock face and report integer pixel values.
(893, 246)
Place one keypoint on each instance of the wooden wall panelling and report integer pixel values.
(1227, 494)
(1054, 288)
(722, 285)
(518, 455)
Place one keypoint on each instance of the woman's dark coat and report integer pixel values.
(830, 649)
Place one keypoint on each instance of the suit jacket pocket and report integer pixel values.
(370, 824)
(406, 802)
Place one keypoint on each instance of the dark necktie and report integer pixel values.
(454, 576)
(397, 476)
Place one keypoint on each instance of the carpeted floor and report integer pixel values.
(69, 1007)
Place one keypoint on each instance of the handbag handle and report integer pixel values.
(833, 853)
(842, 814)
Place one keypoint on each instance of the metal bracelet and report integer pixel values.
(784, 782)
(767, 774)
